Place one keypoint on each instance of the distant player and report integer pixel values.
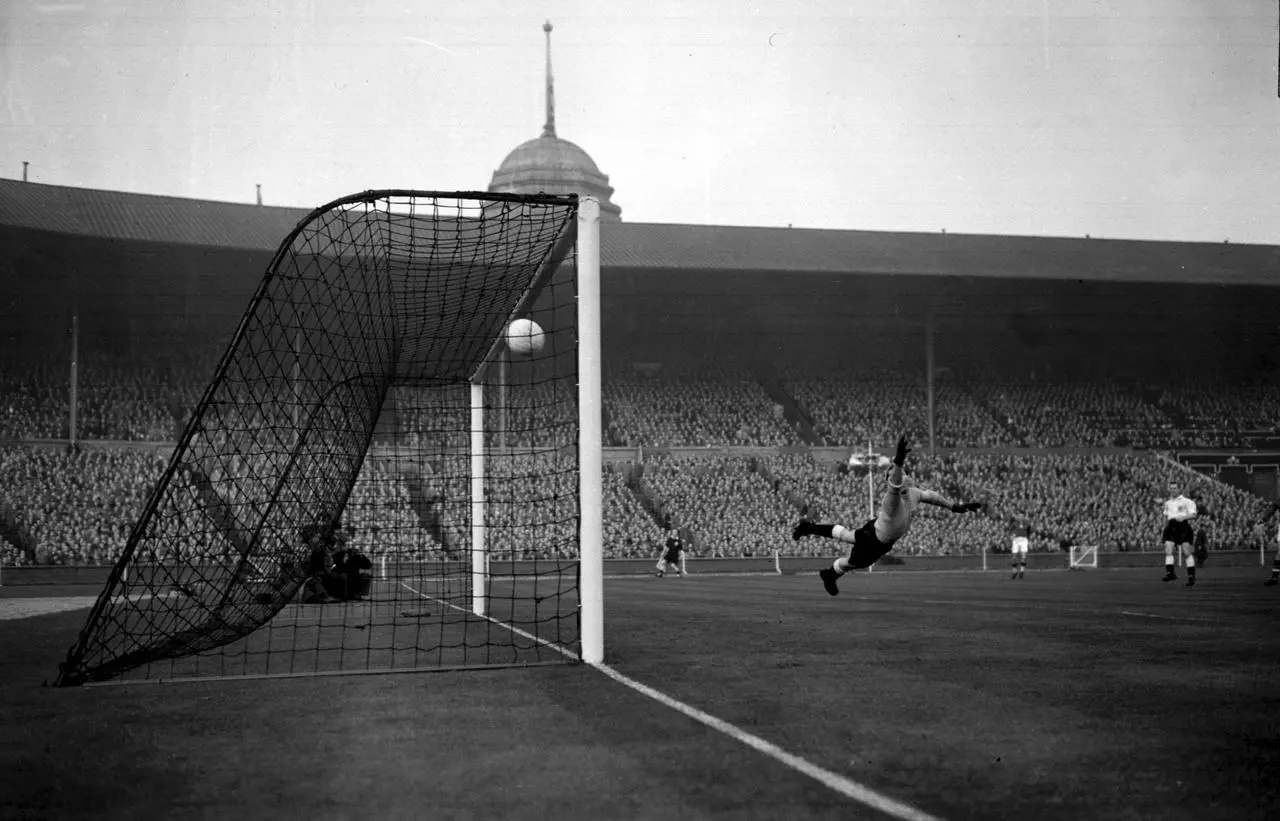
(1019, 550)
(672, 555)
(1177, 535)
(1275, 563)
(878, 535)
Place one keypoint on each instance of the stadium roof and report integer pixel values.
(640, 247)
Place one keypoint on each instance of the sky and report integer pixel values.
(1138, 119)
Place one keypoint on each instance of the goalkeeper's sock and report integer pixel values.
(1275, 569)
(822, 530)
(841, 566)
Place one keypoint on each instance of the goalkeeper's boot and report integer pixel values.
(1191, 582)
(829, 580)
(1170, 576)
(1271, 582)
(803, 528)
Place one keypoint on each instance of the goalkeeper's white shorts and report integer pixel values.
(1020, 544)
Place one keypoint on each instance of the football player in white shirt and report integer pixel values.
(1178, 513)
(1019, 551)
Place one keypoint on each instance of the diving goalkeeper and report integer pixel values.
(878, 535)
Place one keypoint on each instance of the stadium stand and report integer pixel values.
(693, 406)
(76, 507)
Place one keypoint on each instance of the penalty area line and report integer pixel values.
(832, 780)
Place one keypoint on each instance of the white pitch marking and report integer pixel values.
(839, 783)
(1159, 616)
(832, 780)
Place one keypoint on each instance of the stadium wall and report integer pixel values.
(96, 576)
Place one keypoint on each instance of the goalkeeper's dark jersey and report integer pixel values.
(674, 548)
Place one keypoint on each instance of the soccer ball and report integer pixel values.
(525, 337)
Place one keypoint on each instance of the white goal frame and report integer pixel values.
(590, 436)
(590, 452)
(1083, 557)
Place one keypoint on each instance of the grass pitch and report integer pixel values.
(1066, 695)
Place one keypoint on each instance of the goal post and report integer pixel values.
(591, 434)
(479, 540)
(368, 407)
(1083, 557)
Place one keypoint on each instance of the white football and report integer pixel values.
(525, 337)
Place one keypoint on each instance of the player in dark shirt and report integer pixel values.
(672, 553)
(1261, 527)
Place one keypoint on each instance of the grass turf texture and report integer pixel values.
(1063, 696)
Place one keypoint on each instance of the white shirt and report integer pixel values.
(1179, 508)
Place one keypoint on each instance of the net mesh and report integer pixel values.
(327, 508)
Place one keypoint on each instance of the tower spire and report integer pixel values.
(549, 130)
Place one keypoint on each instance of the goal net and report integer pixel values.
(1083, 557)
(374, 479)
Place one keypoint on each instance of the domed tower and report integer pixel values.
(550, 165)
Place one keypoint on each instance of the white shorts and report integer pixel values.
(1020, 544)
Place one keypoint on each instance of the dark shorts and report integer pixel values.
(1178, 532)
(867, 549)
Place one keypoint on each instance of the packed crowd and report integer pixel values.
(73, 507)
(11, 555)
(693, 405)
(1108, 499)
(849, 409)
(1216, 416)
(714, 405)
(728, 507)
(631, 530)
(78, 507)
(115, 400)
